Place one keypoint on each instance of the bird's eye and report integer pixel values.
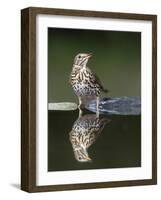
(79, 56)
(79, 158)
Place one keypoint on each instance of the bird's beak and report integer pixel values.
(89, 55)
(88, 158)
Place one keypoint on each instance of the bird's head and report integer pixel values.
(81, 155)
(81, 59)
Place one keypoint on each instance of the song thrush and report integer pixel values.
(84, 82)
(84, 133)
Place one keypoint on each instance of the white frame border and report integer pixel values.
(43, 177)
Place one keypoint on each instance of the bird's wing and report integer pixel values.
(96, 80)
(92, 137)
(95, 132)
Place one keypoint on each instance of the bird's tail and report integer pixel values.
(105, 90)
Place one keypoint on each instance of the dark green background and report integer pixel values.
(116, 60)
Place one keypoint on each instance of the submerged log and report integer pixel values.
(117, 106)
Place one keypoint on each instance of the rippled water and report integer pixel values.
(118, 144)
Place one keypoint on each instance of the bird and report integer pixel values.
(84, 82)
(84, 133)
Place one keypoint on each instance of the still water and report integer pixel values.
(115, 144)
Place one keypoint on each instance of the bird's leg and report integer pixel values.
(97, 106)
(80, 113)
(80, 102)
(79, 106)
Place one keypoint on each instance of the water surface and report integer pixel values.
(118, 145)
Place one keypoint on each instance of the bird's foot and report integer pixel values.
(81, 106)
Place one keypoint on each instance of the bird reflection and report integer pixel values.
(84, 133)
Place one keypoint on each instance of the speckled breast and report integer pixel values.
(82, 89)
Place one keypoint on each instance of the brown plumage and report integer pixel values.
(84, 133)
(84, 82)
